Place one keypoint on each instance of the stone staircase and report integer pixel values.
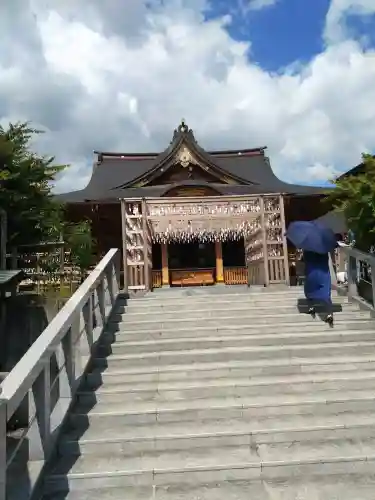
(223, 393)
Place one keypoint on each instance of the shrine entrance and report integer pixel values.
(203, 241)
(192, 263)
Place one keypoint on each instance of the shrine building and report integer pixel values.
(187, 216)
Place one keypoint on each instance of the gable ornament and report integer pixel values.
(185, 158)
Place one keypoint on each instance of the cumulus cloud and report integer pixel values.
(336, 28)
(261, 4)
(95, 75)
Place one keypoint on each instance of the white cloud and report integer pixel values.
(261, 4)
(336, 29)
(96, 77)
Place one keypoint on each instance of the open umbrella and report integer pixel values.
(311, 236)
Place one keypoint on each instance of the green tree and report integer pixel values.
(26, 180)
(354, 196)
(81, 245)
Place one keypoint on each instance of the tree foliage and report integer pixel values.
(81, 245)
(354, 196)
(25, 188)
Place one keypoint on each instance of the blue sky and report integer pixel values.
(287, 32)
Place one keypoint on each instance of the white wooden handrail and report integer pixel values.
(353, 257)
(68, 341)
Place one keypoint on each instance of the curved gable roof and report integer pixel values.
(115, 175)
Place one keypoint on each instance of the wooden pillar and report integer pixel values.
(146, 244)
(285, 245)
(164, 265)
(219, 262)
(124, 249)
(266, 272)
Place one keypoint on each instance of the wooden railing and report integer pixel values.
(43, 384)
(235, 275)
(276, 270)
(156, 279)
(360, 271)
(189, 277)
(256, 273)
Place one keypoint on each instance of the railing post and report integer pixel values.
(3, 448)
(352, 277)
(42, 398)
(117, 273)
(332, 270)
(70, 364)
(101, 301)
(372, 269)
(90, 319)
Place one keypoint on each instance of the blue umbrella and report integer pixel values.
(311, 236)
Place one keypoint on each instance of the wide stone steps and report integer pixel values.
(125, 412)
(124, 346)
(236, 353)
(174, 436)
(212, 465)
(219, 304)
(212, 395)
(212, 370)
(231, 317)
(216, 311)
(335, 487)
(115, 330)
(226, 387)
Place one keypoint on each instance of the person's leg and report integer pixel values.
(311, 306)
(329, 312)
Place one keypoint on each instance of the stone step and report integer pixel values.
(232, 387)
(138, 440)
(201, 293)
(334, 487)
(151, 399)
(187, 373)
(236, 353)
(173, 295)
(199, 466)
(135, 440)
(211, 436)
(135, 306)
(216, 311)
(232, 318)
(122, 345)
(201, 328)
(150, 412)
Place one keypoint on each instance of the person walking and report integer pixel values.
(317, 242)
(317, 286)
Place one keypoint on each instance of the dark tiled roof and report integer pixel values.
(113, 174)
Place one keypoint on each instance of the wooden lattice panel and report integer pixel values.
(136, 245)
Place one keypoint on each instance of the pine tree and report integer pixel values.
(355, 196)
(26, 181)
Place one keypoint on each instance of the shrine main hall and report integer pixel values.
(187, 216)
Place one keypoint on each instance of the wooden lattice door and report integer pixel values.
(136, 245)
